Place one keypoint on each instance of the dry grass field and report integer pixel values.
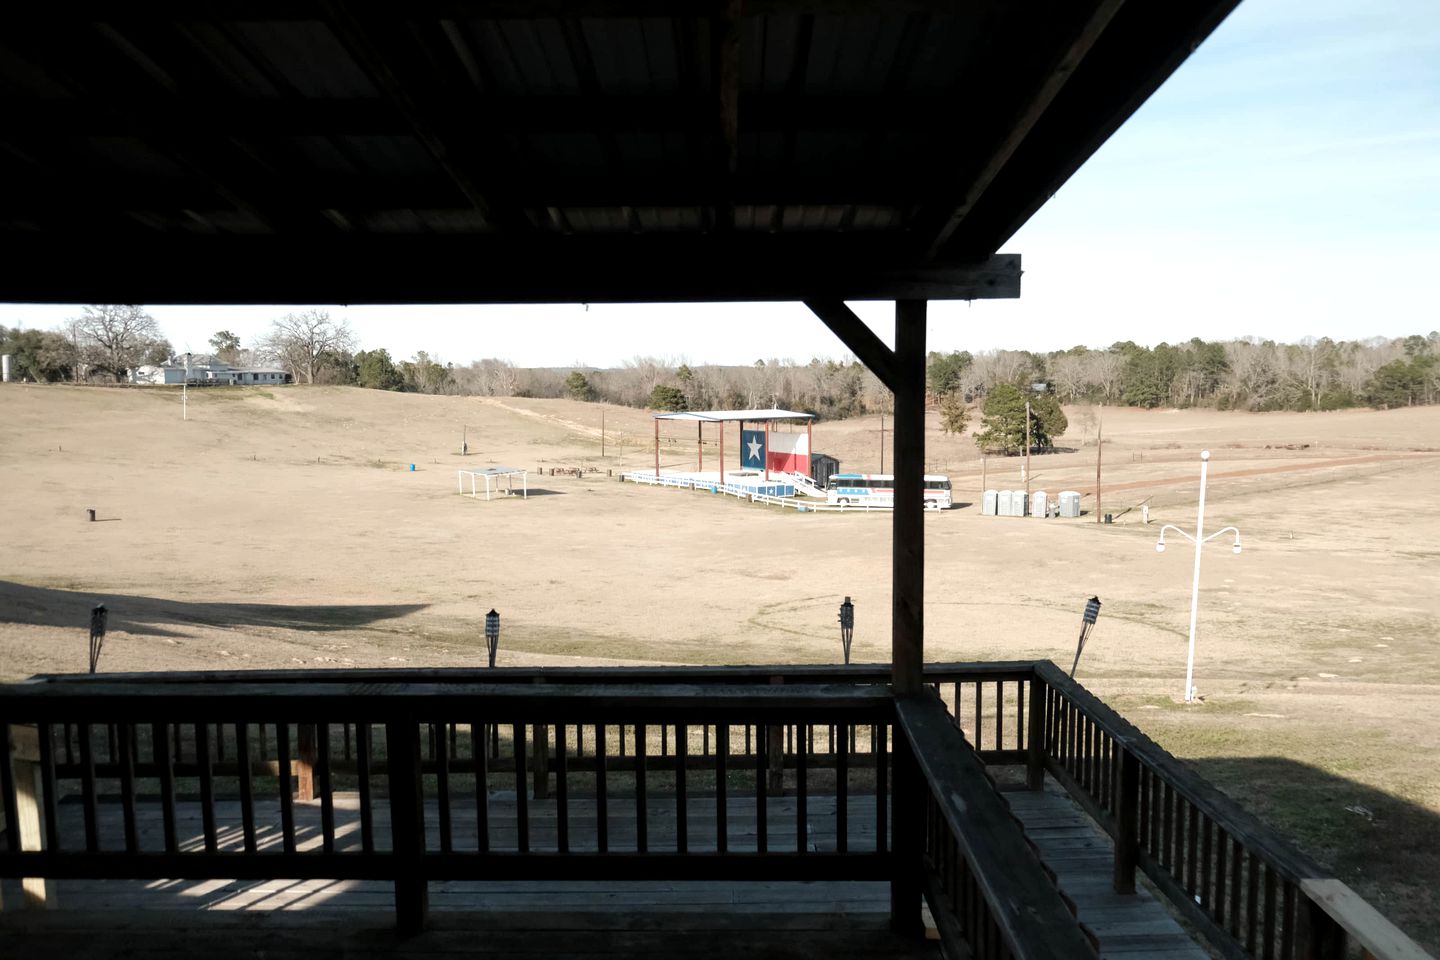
(284, 528)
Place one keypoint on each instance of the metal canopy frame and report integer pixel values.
(722, 417)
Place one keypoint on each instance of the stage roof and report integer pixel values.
(726, 416)
(340, 151)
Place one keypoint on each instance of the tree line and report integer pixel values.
(107, 341)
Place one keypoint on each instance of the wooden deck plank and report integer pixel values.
(1082, 856)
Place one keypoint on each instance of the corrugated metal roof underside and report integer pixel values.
(498, 119)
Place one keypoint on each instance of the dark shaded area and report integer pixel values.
(49, 607)
(253, 152)
(1385, 847)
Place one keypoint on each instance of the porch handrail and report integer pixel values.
(985, 884)
(1249, 892)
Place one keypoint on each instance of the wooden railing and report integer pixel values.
(984, 882)
(587, 739)
(1249, 892)
(991, 699)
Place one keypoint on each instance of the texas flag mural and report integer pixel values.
(787, 453)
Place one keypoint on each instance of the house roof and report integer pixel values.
(332, 151)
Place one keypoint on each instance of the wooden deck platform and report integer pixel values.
(1082, 856)
(281, 918)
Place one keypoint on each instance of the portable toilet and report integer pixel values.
(1038, 505)
(1003, 503)
(1019, 503)
(989, 503)
(1069, 503)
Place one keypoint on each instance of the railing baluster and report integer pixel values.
(522, 797)
(1236, 865)
(802, 793)
(49, 786)
(160, 745)
(442, 787)
(286, 786)
(979, 697)
(207, 786)
(999, 714)
(1128, 823)
(1021, 731)
(1192, 841)
(362, 776)
(882, 818)
(247, 797)
(602, 790)
(1268, 929)
(1288, 922)
(9, 791)
(762, 771)
(642, 805)
(87, 788)
(1252, 903)
(125, 735)
(842, 796)
(682, 814)
(479, 742)
(1222, 853)
(722, 758)
(1207, 898)
(562, 788)
(327, 788)
(407, 827)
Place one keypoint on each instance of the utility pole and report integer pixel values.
(1099, 452)
(1027, 451)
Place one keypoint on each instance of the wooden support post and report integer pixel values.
(407, 828)
(305, 762)
(907, 839)
(722, 453)
(1127, 821)
(541, 762)
(1035, 736)
(29, 811)
(657, 449)
(907, 547)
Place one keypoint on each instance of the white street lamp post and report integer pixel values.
(1199, 540)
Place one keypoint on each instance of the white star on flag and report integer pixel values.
(754, 451)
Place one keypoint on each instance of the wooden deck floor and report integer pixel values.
(1082, 856)
(283, 918)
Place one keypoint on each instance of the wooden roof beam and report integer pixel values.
(1031, 110)
(858, 338)
(486, 268)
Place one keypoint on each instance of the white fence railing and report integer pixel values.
(800, 504)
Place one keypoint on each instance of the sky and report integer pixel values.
(1284, 183)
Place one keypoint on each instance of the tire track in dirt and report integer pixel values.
(1296, 467)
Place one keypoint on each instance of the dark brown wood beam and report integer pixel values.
(281, 10)
(1031, 110)
(437, 268)
(907, 545)
(858, 338)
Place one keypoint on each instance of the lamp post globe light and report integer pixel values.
(492, 634)
(847, 627)
(1199, 540)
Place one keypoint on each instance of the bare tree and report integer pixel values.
(117, 337)
(306, 342)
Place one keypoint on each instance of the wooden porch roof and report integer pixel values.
(503, 151)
